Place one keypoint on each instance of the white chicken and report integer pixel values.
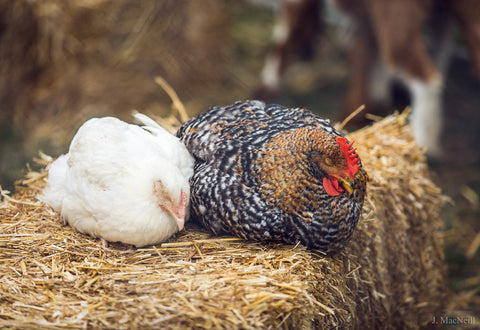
(122, 182)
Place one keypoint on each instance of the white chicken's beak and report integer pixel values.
(177, 212)
(179, 216)
(179, 220)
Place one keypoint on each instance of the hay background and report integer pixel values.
(391, 275)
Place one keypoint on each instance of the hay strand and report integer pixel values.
(350, 117)
(176, 103)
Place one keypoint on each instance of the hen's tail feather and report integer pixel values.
(55, 191)
(145, 120)
(149, 124)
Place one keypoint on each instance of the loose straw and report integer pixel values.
(177, 104)
(351, 116)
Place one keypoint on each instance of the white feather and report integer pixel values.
(104, 185)
(170, 145)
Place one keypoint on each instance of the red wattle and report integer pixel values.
(331, 187)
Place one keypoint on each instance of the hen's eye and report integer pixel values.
(328, 161)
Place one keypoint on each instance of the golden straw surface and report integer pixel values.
(391, 275)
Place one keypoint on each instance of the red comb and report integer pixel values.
(352, 158)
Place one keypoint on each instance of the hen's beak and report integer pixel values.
(347, 182)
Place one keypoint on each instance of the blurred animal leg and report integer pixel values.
(270, 76)
(427, 113)
(425, 84)
(380, 84)
(297, 23)
(398, 26)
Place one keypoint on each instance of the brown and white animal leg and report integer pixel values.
(380, 83)
(426, 117)
(398, 27)
(426, 87)
(297, 23)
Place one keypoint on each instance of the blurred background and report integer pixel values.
(63, 62)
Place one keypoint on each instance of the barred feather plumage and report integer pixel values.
(259, 170)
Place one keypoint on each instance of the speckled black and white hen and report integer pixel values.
(267, 172)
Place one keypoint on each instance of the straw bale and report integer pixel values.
(391, 275)
(66, 61)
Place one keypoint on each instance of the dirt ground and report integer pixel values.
(217, 63)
